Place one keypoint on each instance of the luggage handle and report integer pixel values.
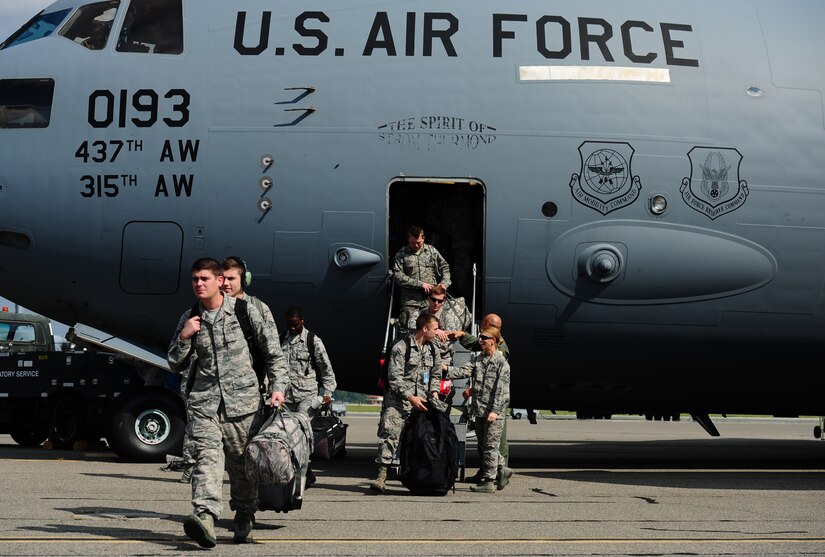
(279, 410)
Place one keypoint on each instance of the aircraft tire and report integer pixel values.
(68, 423)
(146, 425)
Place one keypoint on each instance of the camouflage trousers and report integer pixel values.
(394, 415)
(219, 443)
(489, 437)
(188, 450)
(412, 304)
(503, 446)
(303, 407)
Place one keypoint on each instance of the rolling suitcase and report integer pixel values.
(330, 436)
(281, 498)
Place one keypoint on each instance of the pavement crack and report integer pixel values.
(650, 500)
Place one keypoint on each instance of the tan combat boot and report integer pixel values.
(244, 522)
(379, 483)
(503, 477)
(486, 485)
(201, 528)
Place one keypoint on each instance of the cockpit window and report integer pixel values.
(38, 27)
(90, 25)
(26, 103)
(152, 26)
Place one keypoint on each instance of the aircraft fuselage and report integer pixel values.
(645, 182)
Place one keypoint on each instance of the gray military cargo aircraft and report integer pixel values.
(640, 184)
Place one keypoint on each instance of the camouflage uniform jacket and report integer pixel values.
(411, 269)
(303, 381)
(416, 375)
(263, 309)
(490, 380)
(453, 316)
(470, 342)
(224, 365)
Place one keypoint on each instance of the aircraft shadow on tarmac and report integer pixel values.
(681, 454)
(779, 480)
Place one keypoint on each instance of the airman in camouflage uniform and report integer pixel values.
(417, 268)
(490, 380)
(224, 401)
(235, 278)
(452, 316)
(413, 378)
(470, 342)
(303, 377)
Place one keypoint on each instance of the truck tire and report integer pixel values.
(29, 435)
(68, 423)
(146, 425)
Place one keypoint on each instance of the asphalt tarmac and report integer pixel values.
(624, 486)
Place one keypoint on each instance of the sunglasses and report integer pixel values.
(485, 337)
(438, 300)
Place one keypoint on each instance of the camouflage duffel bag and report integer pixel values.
(280, 450)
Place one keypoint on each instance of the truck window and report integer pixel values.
(26, 103)
(23, 332)
(17, 332)
(38, 27)
(90, 25)
(152, 26)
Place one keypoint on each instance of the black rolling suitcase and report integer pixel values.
(281, 498)
(330, 436)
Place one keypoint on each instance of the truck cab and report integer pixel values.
(72, 393)
(24, 332)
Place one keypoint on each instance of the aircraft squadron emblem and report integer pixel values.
(605, 182)
(713, 187)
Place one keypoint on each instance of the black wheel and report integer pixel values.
(146, 425)
(817, 432)
(29, 435)
(68, 423)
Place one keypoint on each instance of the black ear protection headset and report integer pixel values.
(246, 276)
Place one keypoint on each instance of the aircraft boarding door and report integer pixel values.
(451, 212)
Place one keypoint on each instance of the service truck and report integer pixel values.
(88, 390)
